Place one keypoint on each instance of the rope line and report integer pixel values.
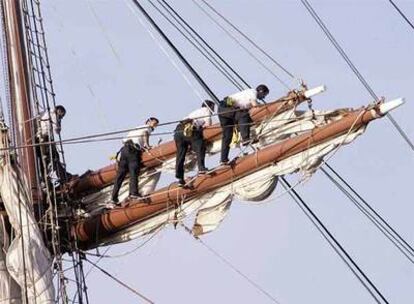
(261, 63)
(231, 266)
(203, 41)
(370, 217)
(341, 51)
(177, 52)
(402, 14)
(279, 65)
(191, 37)
(134, 291)
(368, 208)
(334, 243)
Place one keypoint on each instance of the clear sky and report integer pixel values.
(274, 243)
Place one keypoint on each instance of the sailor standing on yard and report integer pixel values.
(130, 157)
(234, 110)
(189, 132)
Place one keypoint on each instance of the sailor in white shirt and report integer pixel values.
(188, 133)
(130, 158)
(140, 136)
(234, 110)
(49, 122)
(244, 99)
(51, 119)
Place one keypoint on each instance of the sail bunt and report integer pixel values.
(303, 143)
(26, 264)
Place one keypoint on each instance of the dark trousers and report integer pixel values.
(130, 162)
(196, 142)
(50, 155)
(227, 123)
(243, 121)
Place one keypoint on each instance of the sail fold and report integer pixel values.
(210, 209)
(9, 290)
(28, 261)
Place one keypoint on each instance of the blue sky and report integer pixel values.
(274, 243)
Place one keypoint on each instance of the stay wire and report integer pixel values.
(334, 243)
(195, 43)
(234, 38)
(120, 282)
(341, 51)
(370, 217)
(205, 43)
(103, 30)
(231, 266)
(402, 14)
(177, 52)
(408, 247)
(279, 65)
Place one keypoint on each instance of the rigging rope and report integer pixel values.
(341, 51)
(374, 220)
(43, 84)
(279, 65)
(194, 42)
(402, 14)
(203, 41)
(161, 47)
(231, 266)
(134, 291)
(342, 253)
(371, 213)
(234, 38)
(177, 52)
(102, 28)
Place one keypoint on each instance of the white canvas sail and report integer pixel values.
(28, 261)
(10, 292)
(211, 208)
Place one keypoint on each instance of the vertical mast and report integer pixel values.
(22, 122)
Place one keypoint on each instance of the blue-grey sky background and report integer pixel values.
(274, 243)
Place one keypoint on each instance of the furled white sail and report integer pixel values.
(10, 292)
(28, 261)
(212, 207)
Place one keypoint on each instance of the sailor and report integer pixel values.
(189, 132)
(51, 121)
(135, 142)
(234, 111)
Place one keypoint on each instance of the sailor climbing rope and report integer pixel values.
(50, 121)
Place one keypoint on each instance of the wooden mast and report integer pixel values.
(101, 178)
(19, 90)
(90, 231)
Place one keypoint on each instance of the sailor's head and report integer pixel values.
(208, 104)
(152, 122)
(60, 111)
(262, 91)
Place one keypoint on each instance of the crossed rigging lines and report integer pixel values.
(401, 241)
(354, 69)
(361, 275)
